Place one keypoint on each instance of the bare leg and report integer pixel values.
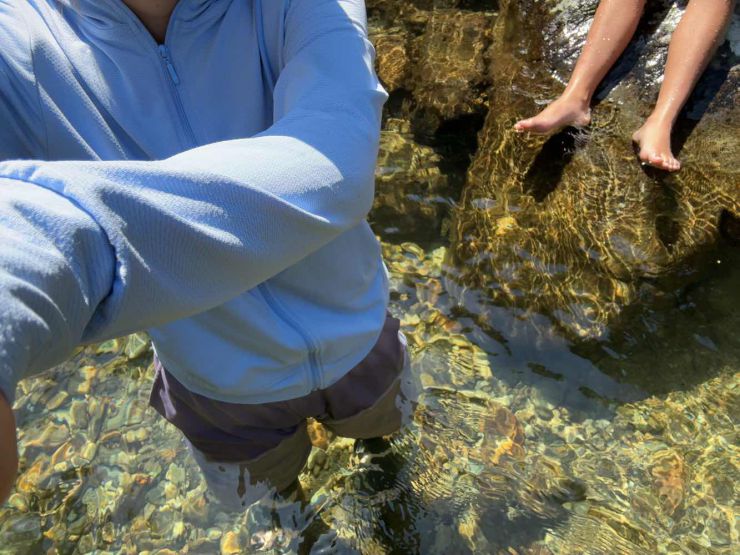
(614, 24)
(697, 36)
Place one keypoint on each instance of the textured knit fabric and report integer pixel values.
(212, 190)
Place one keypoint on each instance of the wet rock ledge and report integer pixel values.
(570, 226)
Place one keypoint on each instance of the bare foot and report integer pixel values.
(561, 113)
(654, 140)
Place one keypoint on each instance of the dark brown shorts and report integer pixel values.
(272, 438)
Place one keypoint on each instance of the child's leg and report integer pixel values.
(237, 485)
(614, 24)
(247, 451)
(371, 401)
(697, 36)
(244, 451)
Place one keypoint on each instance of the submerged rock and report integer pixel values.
(434, 63)
(450, 74)
(411, 192)
(572, 227)
(506, 452)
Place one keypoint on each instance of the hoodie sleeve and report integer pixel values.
(100, 249)
(22, 132)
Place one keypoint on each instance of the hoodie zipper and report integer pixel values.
(174, 81)
(163, 53)
(316, 382)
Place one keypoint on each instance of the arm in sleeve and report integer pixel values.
(22, 130)
(100, 249)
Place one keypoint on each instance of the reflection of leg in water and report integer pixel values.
(614, 24)
(368, 427)
(382, 481)
(697, 36)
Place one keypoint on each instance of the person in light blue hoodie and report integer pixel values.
(201, 169)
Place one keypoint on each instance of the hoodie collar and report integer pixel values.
(111, 12)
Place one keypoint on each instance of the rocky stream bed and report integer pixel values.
(572, 319)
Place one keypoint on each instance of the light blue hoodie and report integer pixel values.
(249, 259)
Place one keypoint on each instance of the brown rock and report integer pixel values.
(230, 544)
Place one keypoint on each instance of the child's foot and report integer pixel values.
(563, 112)
(654, 141)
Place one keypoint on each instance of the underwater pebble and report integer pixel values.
(111, 346)
(571, 433)
(108, 533)
(178, 529)
(482, 386)
(135, 436)
(427, 380)
(470, 529)
(57, 401)
(175, 474)
(170, 491)
(316, 461)
(319, 435)
(86, 544)
(18, 502)
(524, 415)
(410, 320)
(136, 346)
(56, 533)
(230, 544)
(543, 413)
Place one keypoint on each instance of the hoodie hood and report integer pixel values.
(110, 13)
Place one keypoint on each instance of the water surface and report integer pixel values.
(530, 433)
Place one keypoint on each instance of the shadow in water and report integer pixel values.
(729, 226)
(673, 340)
(546, 170)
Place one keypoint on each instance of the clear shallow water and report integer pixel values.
(525, 438)
(517, 444)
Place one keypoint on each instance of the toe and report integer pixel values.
(658, 161)
(522, 125)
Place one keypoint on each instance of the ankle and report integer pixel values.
(661, 119)
(577, 96)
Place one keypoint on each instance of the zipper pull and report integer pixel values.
(165, 54)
